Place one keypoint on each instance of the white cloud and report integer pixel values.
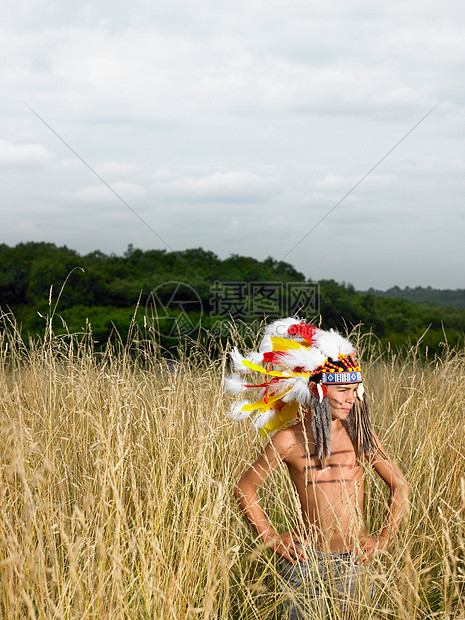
(331, 181)
(233, 186)
(23, 155)
(149, 72)
(115, 169)
(102, 194)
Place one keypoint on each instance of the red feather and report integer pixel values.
(273, 357)
(266, 384)
(304, 330)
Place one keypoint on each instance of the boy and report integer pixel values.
(323, 452)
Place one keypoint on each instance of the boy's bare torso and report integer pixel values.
(331, 499)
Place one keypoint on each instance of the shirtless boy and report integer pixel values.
(323, 453)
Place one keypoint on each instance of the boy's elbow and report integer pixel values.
(403, 491)
(239, 491)
(242, 490)
(400, 490)
(406, 492)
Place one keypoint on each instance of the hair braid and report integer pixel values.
(321, 427)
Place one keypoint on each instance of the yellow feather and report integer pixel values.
(284, 344)
(282, 419)
(262, 405)
(264, 371)
(286, 374)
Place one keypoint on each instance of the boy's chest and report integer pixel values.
(341, 467)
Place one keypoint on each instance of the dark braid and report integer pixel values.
(360, 429)
(358, 425)
(321, 427)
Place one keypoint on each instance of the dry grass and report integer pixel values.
(116, 479)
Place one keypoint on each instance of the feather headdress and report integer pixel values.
(292, 354)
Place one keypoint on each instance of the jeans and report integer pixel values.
(310, 586)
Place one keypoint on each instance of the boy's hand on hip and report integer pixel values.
(288, 545)
(373, 547)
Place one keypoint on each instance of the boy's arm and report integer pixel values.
(246, 494)
(388, 471)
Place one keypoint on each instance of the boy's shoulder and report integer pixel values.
(287, 440)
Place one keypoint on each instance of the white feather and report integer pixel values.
(299, 392)
(235, 411)
(305, 358)
(255, 357)
(332, 344)
(279, 328)
(263, 418)
(283, 385)
(265, 345)
(237, 359)
(233, 384)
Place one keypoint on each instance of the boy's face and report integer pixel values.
(341, 399)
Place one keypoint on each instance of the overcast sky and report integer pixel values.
(236, 127)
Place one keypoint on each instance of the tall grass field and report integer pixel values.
(117, 472)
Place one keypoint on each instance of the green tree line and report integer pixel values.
(104, 290)
(442, 297)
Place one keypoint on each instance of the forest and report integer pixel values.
(443, 297)
(194, 292)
